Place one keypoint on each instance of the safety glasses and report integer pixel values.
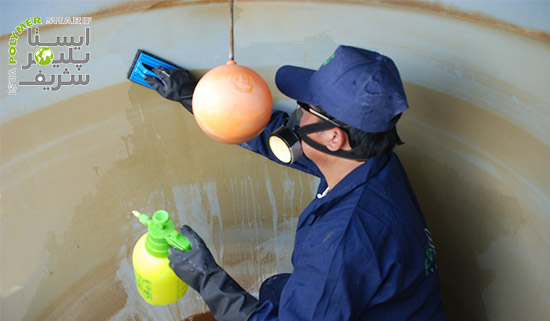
(324, 117)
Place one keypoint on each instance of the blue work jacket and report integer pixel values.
(361, 252)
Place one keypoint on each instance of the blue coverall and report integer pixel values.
(362, 252)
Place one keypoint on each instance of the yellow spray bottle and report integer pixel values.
(155, 280)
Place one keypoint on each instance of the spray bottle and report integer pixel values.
(156, 282)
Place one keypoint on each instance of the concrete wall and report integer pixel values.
(75, 162)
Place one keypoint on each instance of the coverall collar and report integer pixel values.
(354, 179)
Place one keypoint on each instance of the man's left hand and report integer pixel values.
(227, 300)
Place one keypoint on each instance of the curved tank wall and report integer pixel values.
(76, 162)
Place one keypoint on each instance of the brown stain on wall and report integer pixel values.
(451, 11)
(426, 6)
(201, 317)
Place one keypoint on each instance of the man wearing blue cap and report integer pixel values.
(362, 249)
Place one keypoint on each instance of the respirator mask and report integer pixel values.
(285, 141)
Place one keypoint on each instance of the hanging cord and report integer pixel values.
(231, 48)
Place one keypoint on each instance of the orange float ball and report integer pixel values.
(232, 104)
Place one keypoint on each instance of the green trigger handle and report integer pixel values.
(178, 241)
(162, 234)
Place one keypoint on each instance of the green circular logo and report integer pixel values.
(43, 56)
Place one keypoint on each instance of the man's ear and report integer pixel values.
(338, 139)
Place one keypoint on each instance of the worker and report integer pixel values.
(362, 248)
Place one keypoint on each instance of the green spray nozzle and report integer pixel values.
(161, 234)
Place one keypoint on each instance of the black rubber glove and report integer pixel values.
(227, 300)
(174, 84)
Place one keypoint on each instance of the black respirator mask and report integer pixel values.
(285, 141)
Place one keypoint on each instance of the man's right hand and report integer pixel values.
(173, 84)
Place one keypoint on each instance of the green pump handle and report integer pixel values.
(161, 234)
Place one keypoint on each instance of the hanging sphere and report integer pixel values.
(232, 104)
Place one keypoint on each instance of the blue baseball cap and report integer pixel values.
(358, 87)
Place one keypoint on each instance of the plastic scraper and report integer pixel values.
(143, 65)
